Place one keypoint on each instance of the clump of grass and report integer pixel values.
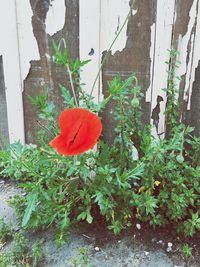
(21, 255)
(82, 260)
(5, 231)
(186, 250)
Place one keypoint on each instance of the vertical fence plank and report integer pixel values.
(28, 49)
(89, 43)
(10, 51)
(186, 39)
(195, 53)
(183, 41)
(193, 100)
(50, 20)
(4, 135)
(113, 15)
(165, 16)
(131, 55)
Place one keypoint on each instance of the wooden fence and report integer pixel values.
(27, 28)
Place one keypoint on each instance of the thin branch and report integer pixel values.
(72, 85)
(110, 48)
(69, 72)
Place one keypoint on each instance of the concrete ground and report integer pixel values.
(141, 247)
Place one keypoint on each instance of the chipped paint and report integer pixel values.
(55, 19)
(196, 54)
(27, 43)
(102, 20)
(165, 17)
(10, 51)
(3, 110)
(186, 57)
(113, 14)
(89, 39)
(99, 22)
(152, 52)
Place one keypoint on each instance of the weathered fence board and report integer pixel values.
(165, 17)
(9, 50)
(43, 72)
(3, 109)
(186, 39)
(134, 57)
(89, 43)
(89, 27)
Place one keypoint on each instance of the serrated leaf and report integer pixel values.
(31, 199)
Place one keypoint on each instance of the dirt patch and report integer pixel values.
(139, 247)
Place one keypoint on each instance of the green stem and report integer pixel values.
(110, 48)
(75, 160)
(72, 85)
(69, 72)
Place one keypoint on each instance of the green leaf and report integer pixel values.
(70, 171)
(82, 216)
(137, 172)
(89, 218)
(180, 158)
(68, 100)
(58, 57)
(31, 199)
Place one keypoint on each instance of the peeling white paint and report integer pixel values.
(99, 24)
(113, 14)
(28, 48)
(89, 38)
(152, 52)
(196, 56)
(10, 51)
(55, 19)
(164, 23)
(187, 68)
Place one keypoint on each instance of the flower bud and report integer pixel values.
(135, 102)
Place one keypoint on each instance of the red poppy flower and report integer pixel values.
(79, 131)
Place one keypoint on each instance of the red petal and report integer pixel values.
(80, 130)
(59, 144)
(70, 117)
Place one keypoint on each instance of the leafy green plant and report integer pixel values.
(47, 113)
(82, 260)
(136, 177)
(186, 251)
(37, 253)
(5, 231)
(172, 107)
(21, 255)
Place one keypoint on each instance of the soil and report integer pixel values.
(141, 246)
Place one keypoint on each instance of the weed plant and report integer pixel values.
(21, 254)
(5, 231)
(155, 181)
